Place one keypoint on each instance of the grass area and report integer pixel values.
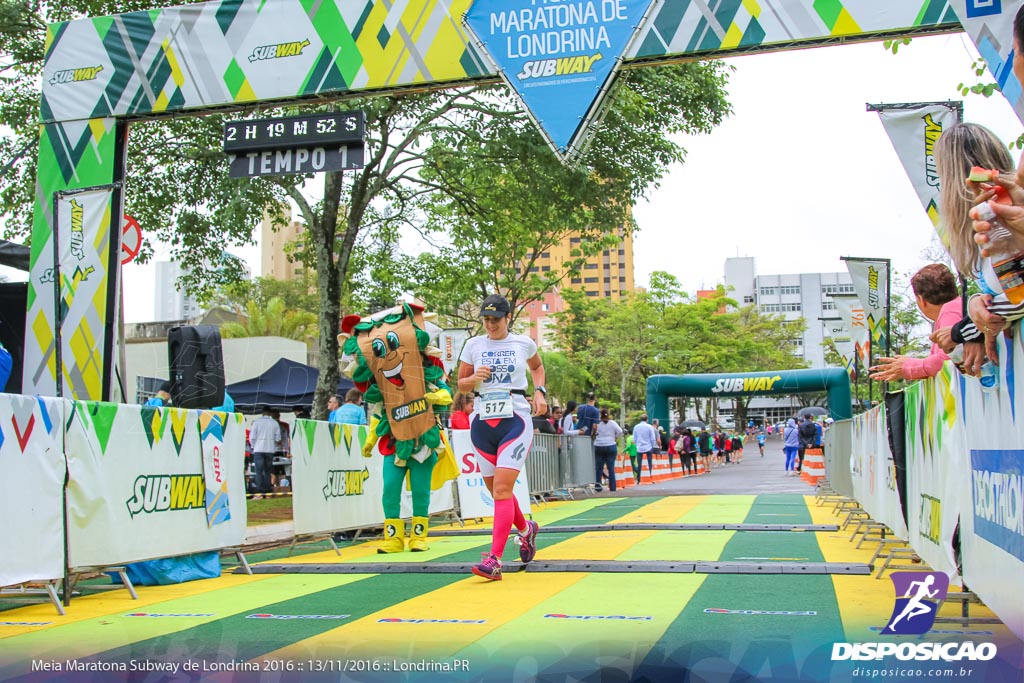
(269, 510)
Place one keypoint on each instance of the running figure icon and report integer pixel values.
(915, 607)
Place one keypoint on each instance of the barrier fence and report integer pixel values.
(951, 453)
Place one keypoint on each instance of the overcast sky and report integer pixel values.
(801, 173)
(798, 176)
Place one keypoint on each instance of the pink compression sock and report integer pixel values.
(504, 511)
(519, 519)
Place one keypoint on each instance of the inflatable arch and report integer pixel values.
(780, 383)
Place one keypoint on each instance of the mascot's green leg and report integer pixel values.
(419, 482)
(394, 536)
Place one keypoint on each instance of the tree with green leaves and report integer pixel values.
(507, 202)
(620, 344)
(272, 319)
(472, 144)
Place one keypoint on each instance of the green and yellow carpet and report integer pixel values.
(556, 626)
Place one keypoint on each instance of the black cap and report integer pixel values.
(495, 306)
(166, 386)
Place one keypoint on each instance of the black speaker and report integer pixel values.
(197, 366)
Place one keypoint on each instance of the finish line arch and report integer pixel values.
(102, 73)
(835, 381)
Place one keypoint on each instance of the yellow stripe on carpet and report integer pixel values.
(719, 509)
(101, 622)
(470, 601)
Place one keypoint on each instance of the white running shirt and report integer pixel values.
(505, 357)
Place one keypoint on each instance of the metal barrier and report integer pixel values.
(543, 466)
(578, 462)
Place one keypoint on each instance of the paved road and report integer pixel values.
(755, 475)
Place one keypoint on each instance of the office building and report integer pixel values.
(275, 236)
(793, 296)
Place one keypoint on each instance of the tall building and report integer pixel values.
(608, 275)
(794, 296)
(171, 303)
(274, 261)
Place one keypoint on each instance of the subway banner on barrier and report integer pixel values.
(936, 451)
(559, 58)
(137, 488)
(989, 23)
(871, 282)
(913, 130)
(334, 487)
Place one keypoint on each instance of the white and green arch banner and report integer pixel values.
(100, 72)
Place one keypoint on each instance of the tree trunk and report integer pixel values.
(329, 288)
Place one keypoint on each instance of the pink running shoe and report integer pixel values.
(489, 568)
(528, 541)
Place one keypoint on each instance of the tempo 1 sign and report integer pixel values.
(301, 160)
(299, 144)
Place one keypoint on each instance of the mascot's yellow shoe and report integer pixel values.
(418, 534)
(394, 537)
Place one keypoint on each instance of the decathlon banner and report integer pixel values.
(32, 506)
(334, 487)
(989, 23)
(873, 470)
(913, 129)
(855, 320)
(474, 499)
(992, 482)
(559, 58)
(936, 468)
(136, 489)
(871, 282)
(85, 278)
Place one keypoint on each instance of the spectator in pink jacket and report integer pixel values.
(937, 298)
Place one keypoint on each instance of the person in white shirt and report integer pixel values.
(264, 441)
(606, 448)
(493, 366)
(646, 439)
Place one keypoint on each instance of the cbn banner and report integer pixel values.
(913, 131)
(936, 453)
(136, 489)
(474, 499)
(989, 23)
(874, 471)
(839, 331)
(32, 506)
(334, 487)
(851, 311)
(871, 282)
(85, 281)
(992, 502)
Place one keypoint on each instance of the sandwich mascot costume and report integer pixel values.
(402, 379)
